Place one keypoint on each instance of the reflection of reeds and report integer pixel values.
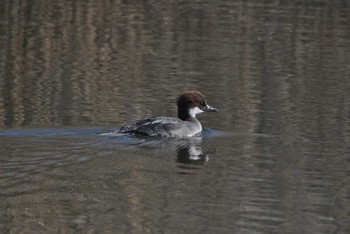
(278, 68)
(76, 63)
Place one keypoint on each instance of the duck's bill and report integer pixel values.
(210, 109)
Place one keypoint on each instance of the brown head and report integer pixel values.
(191, 103)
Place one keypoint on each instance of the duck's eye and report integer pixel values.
(202, 103)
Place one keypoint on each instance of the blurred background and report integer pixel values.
(97, 63)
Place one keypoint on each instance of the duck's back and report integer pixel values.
(162, 126)
(154, 126)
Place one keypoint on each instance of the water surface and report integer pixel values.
(274, 159)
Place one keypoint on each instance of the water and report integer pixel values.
(274, 159)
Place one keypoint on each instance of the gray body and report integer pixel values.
(164, 127)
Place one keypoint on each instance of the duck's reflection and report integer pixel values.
(190, 151)
(191, 155)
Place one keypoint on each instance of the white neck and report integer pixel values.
(194, 111)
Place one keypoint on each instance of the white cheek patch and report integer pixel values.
(194, 111)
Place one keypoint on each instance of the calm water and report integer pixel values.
(274, 159)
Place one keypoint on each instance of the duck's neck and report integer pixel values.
(184, 115)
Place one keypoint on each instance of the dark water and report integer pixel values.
(275, 159)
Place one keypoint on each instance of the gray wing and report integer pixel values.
(154, 126)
